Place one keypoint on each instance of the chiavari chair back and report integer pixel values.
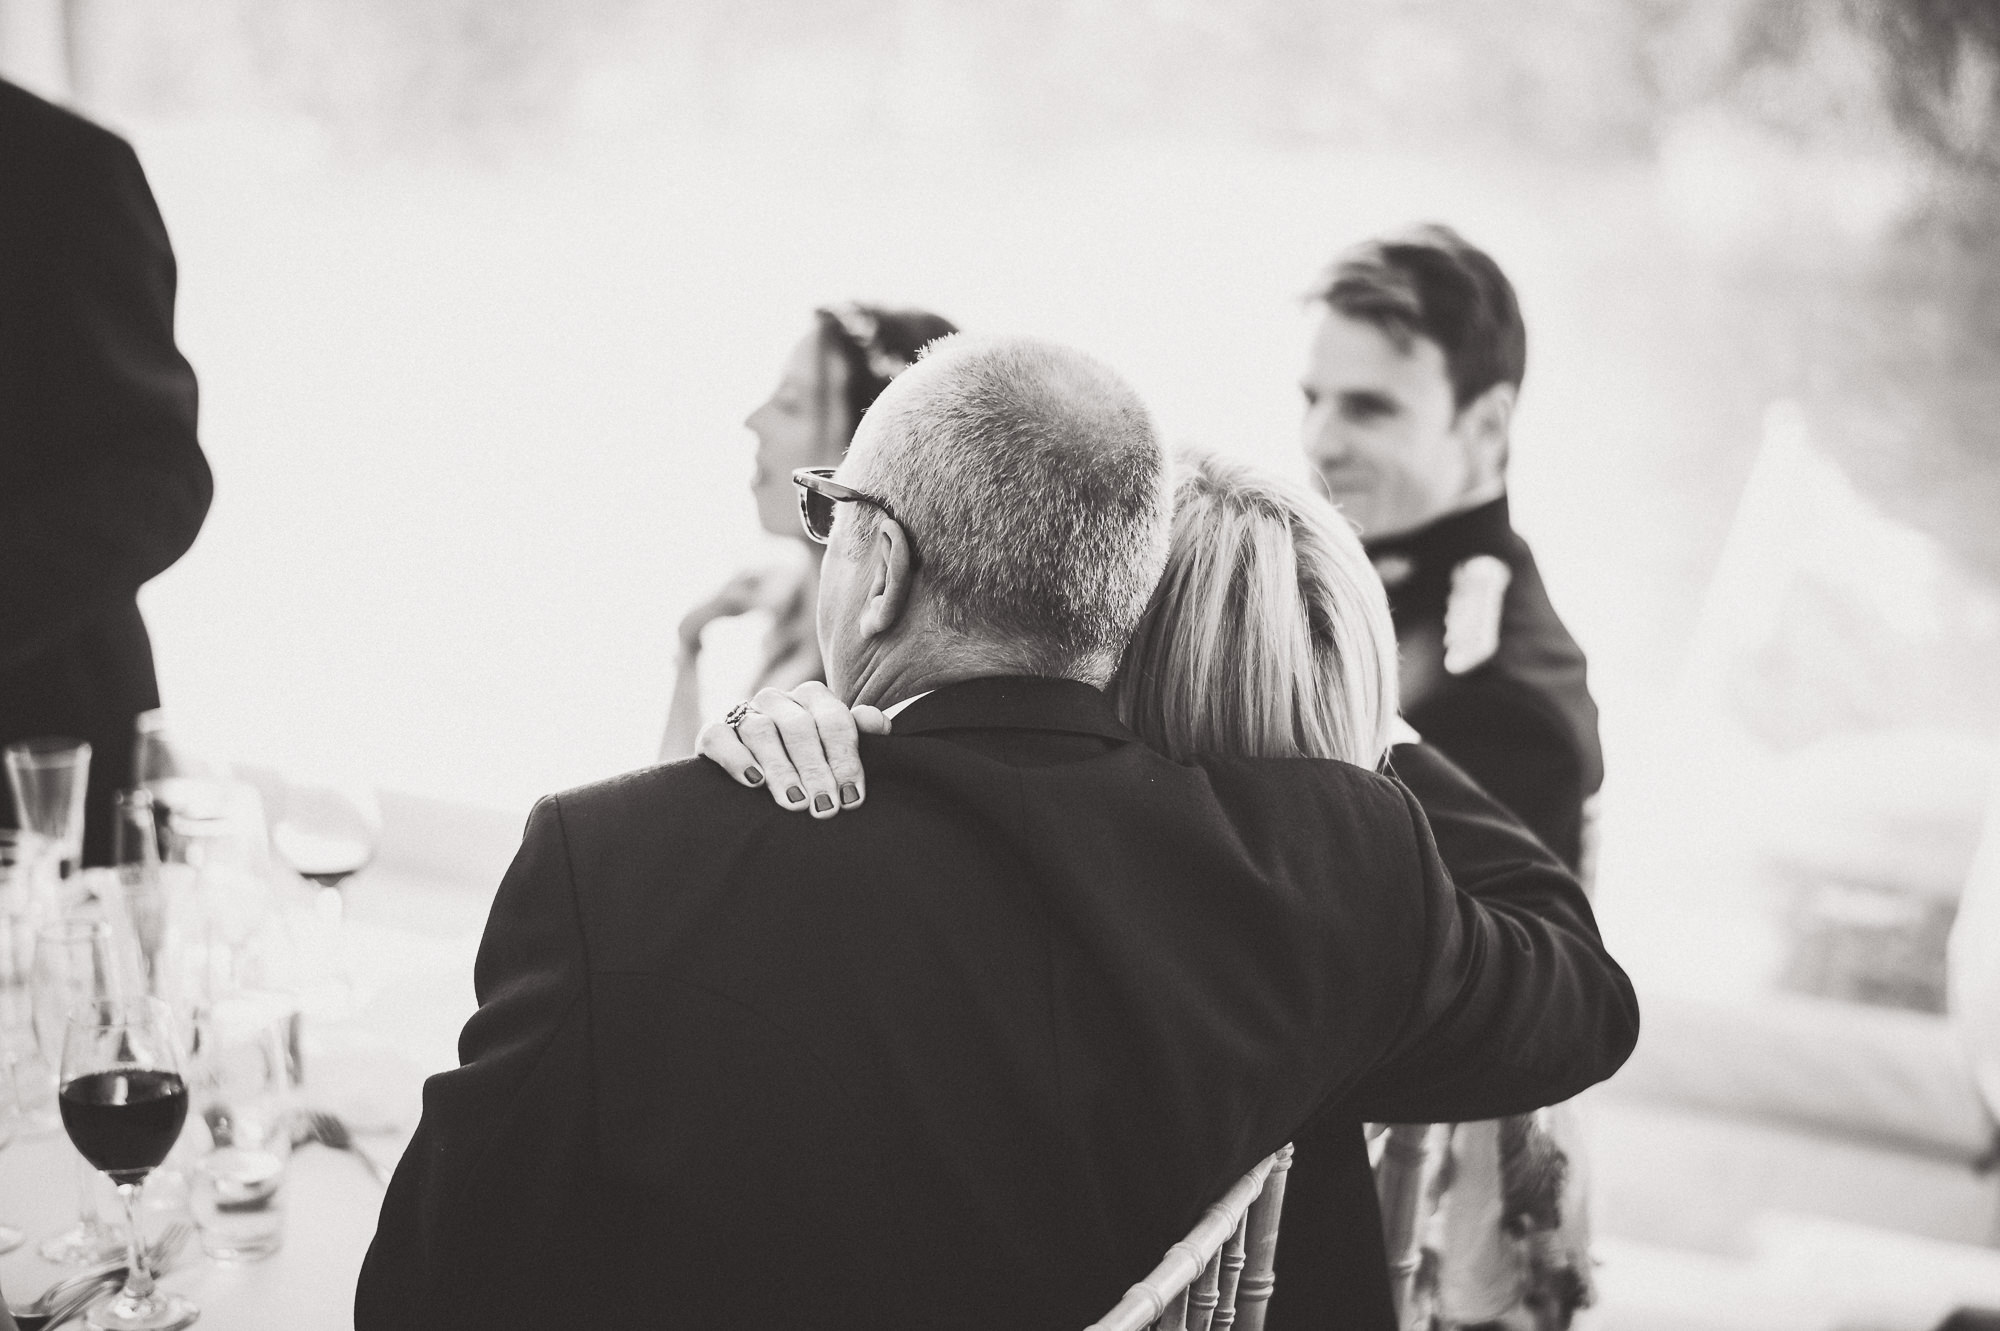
(1220, 1277)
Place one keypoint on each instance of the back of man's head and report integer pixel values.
(1431, 282)
(1036, 492)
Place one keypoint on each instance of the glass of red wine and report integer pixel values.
(75, 963)
(123, 1103)
(326, 830)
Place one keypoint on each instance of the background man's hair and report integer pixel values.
(1036, 491)
(1429, 282)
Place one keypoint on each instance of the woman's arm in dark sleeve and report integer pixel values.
(1520, 1005)
(112, 487)
(1518, 750)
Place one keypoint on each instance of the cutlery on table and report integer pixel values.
(328, 1130)
(74, 1293)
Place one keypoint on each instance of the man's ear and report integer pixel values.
(1486, 425)
(891, 579)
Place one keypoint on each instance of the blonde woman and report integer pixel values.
(1268, 637)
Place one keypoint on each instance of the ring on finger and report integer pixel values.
(733, 718)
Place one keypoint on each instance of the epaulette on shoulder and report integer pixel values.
(1472, 614)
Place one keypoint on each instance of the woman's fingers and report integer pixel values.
(804, 747)
(720, 744)
(839, 739)
(759, 733)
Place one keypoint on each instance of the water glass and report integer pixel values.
(244, 1091)
(220, 840)
(22, 910)
(49, 777)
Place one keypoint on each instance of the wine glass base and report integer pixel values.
(83, 1244)
(11, 1238)
(158, 1311)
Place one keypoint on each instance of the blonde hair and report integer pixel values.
(1269, 633)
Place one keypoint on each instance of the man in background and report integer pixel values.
(1414, 366)
(1416, 361)
(102, 482)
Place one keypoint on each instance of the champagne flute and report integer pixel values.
(123, 1104)
(49, 776)
(136, 853)
(75, 964)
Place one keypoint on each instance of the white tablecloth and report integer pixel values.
(411, 943)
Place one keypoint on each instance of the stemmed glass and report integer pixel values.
(123, 1103)
(75, 964)
(49, 777)
(327, 832)
(136, 854)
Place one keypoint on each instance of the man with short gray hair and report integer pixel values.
(1041, 489)
(976, 1052)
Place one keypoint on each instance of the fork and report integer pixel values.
(73, 1293)
(329, 1130)
(78, 1298)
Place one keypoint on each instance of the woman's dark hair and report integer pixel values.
(876, 345)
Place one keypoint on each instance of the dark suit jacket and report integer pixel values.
(102, 484)
(972, 1055)
(1522, 723)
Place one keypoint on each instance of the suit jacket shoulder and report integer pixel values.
(33, 129)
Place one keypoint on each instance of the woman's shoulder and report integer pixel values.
(1324, 787)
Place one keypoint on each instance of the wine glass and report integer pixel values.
(327, 831)
(123, 1103)
(75, 964)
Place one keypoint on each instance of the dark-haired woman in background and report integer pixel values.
(834, 373)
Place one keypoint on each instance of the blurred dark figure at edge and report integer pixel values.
(102, 482)
(1416, 359)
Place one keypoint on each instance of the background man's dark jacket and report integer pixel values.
(974, 1054)
(1521, 722)
(102, 484)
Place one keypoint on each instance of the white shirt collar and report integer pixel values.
(890, 712)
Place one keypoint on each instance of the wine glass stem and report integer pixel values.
(138, 1280)
(332, 908)
(86, 1197)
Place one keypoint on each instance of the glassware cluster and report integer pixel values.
(132, 994)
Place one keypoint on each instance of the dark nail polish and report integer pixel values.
(753, 776)
(822, 802)
(793, 795)
(849, 794)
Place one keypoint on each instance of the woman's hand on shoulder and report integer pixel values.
(802, 746)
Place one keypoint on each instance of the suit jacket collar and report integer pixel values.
(1486, 529)
(1014, 702)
